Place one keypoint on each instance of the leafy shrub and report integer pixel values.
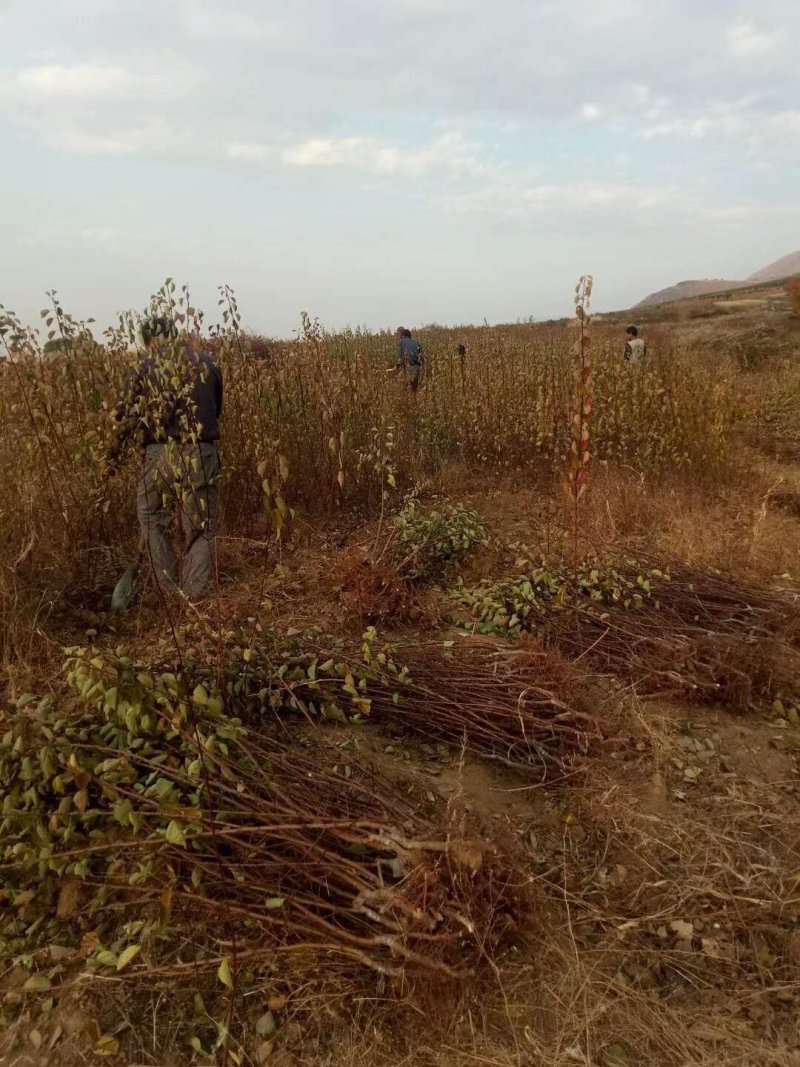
(430, 540)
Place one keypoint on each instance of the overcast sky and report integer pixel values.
(386, 161)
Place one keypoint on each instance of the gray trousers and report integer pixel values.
(186, 477)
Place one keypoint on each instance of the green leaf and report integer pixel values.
(200, 696)
(106, 958)
(273, 903)
(175, 834)
(128, 955)
(224, 973)
(37, 983)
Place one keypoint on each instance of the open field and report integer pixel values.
(484, 750)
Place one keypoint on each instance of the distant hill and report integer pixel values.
(781, 268)
(685, 290)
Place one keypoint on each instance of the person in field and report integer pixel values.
(409, 355)
(635, 348)
(172, 406)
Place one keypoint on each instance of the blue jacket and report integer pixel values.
(409, 351)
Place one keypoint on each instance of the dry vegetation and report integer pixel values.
(484, 750)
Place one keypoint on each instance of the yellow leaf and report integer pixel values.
(127, 956)
(106, 1046)
(175, 834)
(224, 973)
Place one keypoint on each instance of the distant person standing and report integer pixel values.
(635, 348)
(409, 355)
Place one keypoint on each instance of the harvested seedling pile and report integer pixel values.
(669, 629)
(524, 708)
(201, 800)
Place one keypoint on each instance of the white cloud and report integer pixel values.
(248, 152)
(101, 236)
(83, 81)
(750, 214)
(101, 109)
(565, 201)
(326, 152)
(81, 143)
(746, 123)
(622, 207)
(448, 153)
(216, 23)
(591, 111)
(746, 39)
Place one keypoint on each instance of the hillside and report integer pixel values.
(686, 290)
(781, 268)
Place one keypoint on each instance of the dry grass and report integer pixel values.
(561, 827)
(327, 428)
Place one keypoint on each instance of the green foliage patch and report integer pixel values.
(430, 539)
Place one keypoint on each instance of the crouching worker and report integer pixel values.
(172, 405)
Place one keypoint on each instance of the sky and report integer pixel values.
(377, 162)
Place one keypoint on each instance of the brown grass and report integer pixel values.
(564, 835)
